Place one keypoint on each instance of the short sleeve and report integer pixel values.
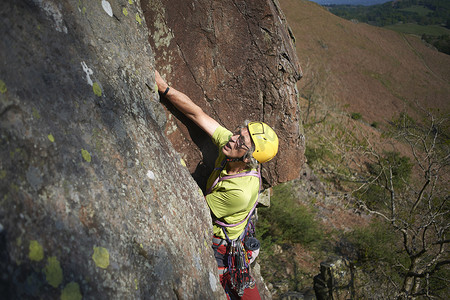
(221, 136)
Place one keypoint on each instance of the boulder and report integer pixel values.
(95, 202)
(260, 284)
(236, 60)
(335, 281)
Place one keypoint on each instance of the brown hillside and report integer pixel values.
(347, 68)
(370, 70)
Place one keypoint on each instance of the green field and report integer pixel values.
(418, 9)
(417, 29)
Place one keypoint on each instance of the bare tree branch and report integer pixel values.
(418, 210)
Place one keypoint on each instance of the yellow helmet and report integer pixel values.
(265, 140)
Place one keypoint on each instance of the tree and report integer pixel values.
(410, 193)
(314, 112)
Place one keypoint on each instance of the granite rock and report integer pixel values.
(235, 59)
(95, 202)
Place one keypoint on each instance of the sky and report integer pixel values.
(351, 2)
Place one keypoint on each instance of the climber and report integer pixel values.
(232, 190)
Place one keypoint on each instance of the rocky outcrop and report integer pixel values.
(95, 203)
(336, 280)
(235, 59)
(341, 279)
(94, 200)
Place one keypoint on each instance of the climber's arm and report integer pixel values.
(184, 104)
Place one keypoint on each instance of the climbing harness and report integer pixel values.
(239, 256)
(248, 173)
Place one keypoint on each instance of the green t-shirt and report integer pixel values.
(230, 200)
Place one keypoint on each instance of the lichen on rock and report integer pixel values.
(79, 133)
(36, 252)
(71, 292)
(53, 272)
(101, 257)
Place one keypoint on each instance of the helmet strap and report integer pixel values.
(235, 159)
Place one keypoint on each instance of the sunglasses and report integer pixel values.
(240, 142)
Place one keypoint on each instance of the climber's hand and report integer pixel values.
(184, 104)
(162, 84)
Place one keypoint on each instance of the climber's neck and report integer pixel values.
(235, 167)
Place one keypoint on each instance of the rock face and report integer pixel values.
(236, 60)
(336, 280)
(94, 200)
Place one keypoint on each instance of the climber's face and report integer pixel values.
(238, 144)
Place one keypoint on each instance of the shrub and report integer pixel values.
(400, 166)
(376, 242)
(356, 116)
(287, 221)
(378, 254)
(315, 154)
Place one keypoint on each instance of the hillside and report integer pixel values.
(429, 19)
(362, 67)
(356, 79)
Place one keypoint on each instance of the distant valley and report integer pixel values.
(349, 2)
